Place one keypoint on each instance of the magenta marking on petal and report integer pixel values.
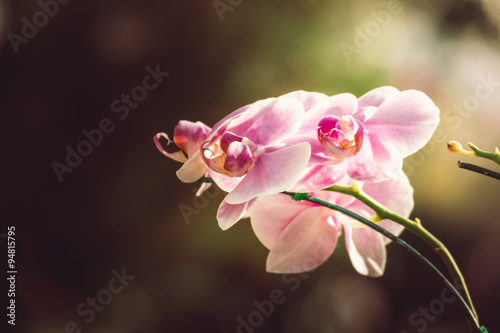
(218, 134)
(188, 136)
(227, 138)
(326, 125)
(340, 137)
(336, 136)
(239, 159)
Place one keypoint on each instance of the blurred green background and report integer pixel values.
(119, 208)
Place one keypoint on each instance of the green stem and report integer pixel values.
(415, 227)
(495, 156)
(478, 169)
(472, 320)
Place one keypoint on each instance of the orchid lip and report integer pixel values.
(341, 137)
(230, 154)
(213, 158)
(227, 138)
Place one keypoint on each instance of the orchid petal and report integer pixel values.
(394, 228)
(369, 102)
(268, 120)
(305, 243)
(373, 163)
(239, 159)
(362, 210)
(397, 194)
(338, 105)
(318, 177)
(318, 156)
(203, 187)
(224, 121)
(227, 138)
(193, 169)
(367, 251)
(228, 214)
(404, 123)
(326, 125)
(308, 99)
(178, 156)
(189, 136)
(273, 172)
(226, 183)
(334, 150)
(271, 215)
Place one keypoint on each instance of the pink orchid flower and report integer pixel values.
(188, 137)
(247, 158)
(302, 235)
(243, 153)
(365, 138)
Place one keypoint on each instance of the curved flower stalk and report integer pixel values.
(310, 262)
(416, 227)
(471, 316)
(302, 235)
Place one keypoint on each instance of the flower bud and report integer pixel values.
(455, 147)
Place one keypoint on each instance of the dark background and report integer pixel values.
(119, 208)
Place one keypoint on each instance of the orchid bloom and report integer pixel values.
(188, 137)
(365, 138)
(243, 153)
(247, 158)
(302, 235)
